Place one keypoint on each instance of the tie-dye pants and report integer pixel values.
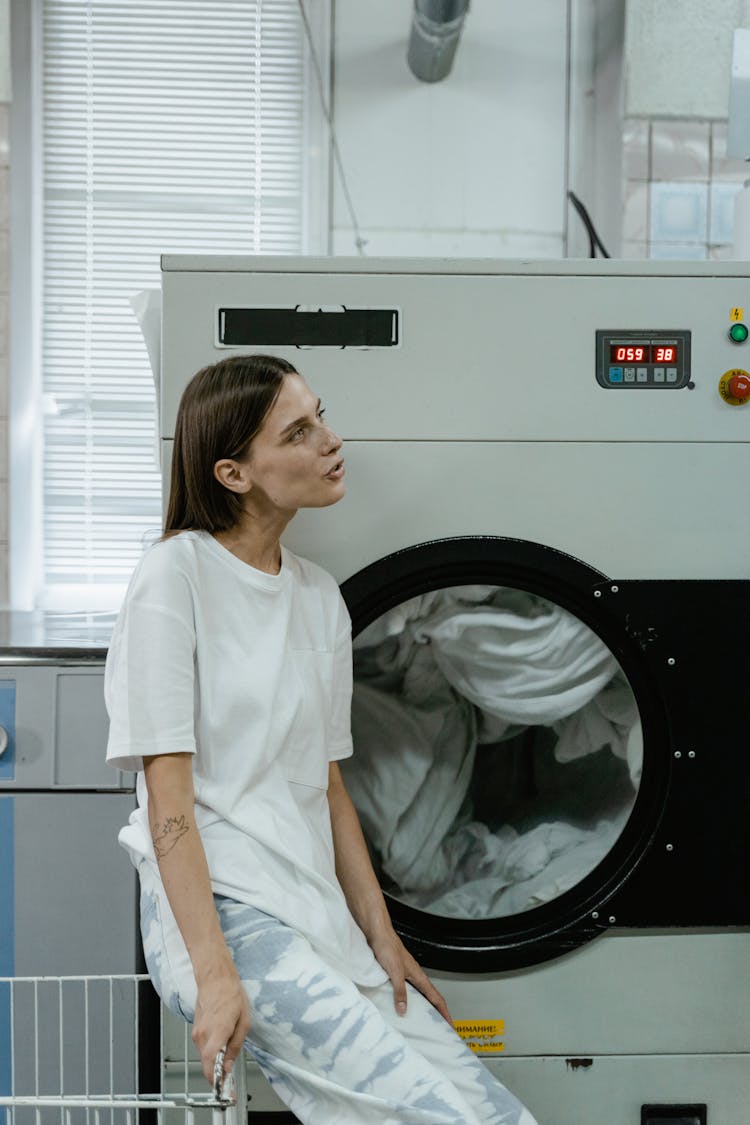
(336, 1053)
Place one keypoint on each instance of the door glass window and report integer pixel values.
(497, 750)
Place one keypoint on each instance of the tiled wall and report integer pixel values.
(679, 189)
(4, 274)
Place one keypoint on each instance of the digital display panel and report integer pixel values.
(630, 353)
(643, 358)
(664, 353)
(644, 353)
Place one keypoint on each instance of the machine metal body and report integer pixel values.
(578, 430)
(61, 806)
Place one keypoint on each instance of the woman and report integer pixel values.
(228, 684)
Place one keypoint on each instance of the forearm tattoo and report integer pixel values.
(166, 835)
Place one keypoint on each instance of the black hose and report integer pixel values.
(594, 240)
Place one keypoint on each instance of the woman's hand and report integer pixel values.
(222, 1018)
(401, 967)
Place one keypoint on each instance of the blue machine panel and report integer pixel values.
(7, 958)
(8, 721)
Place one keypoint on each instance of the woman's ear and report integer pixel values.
(233, 475)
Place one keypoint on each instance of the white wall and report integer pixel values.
(4, 278)
(595, 121)
(472, 166)
(678, 56)
(4, 51)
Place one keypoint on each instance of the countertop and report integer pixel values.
(41, 636)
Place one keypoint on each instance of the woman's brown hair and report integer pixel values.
(221, 410)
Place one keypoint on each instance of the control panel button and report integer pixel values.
(739, 386)
(641, 375)
(671, 374)
(629, 374)
(738, 333)
(615, 374)
(658, 374)
(734, 387)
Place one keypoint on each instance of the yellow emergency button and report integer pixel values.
(734, 387)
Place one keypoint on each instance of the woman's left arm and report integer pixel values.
(366, 902)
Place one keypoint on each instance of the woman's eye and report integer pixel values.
(297, 435)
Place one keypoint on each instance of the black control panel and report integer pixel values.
(643, 359)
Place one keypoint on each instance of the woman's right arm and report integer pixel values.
(222, 1014)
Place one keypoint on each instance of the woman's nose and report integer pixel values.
(331, 440)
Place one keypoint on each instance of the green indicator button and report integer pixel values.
(739, 333)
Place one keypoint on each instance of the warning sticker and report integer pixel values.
(737, 314)
(482, 1036)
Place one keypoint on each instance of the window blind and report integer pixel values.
(169, 126)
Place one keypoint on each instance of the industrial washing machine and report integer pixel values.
(68, 895)
(544, 547)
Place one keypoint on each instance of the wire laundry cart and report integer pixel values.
(101, 1050)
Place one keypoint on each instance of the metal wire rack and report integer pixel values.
(101, 1050)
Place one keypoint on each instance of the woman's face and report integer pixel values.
(294, 460)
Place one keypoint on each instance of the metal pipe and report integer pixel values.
(435, 31)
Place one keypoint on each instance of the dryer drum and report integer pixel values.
(536, 750)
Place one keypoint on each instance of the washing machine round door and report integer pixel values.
(511, 752)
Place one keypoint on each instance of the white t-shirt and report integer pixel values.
(251, 673)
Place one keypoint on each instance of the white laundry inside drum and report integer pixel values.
(497, 750)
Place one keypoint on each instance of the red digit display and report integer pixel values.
(644, 353)
(665, 353)
(628, 353)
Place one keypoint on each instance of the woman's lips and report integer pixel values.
(337, 472)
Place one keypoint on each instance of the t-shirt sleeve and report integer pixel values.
(149, 681)
(340, 744)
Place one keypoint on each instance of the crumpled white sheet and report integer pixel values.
(411, 774)
(517, 657)
(443, 673)
(393, 623)
(609, 719)
(506, 873)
